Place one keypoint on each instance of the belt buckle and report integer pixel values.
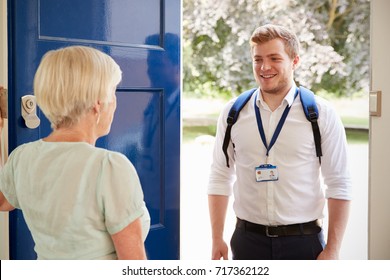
(268, 234)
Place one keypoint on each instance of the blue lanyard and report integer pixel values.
(278, 128)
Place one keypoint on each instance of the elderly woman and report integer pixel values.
(79, 201)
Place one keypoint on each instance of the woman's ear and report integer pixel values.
(96, 110)
(97, 107)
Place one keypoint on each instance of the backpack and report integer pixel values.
(309, 107)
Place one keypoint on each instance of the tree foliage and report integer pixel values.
(334, 36)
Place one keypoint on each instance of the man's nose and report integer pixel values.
(265, 66)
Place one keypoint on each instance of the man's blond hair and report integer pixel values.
(270, 32)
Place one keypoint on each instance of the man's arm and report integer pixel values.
(217, 207)
(338, 217)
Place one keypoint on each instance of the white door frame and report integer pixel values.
(4, 225)
(379, 187)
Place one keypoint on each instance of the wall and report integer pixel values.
(4, 246)
(379, 186)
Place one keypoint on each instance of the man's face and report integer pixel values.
(272, 67)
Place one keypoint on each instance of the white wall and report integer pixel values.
(4, 244)
(379, 181)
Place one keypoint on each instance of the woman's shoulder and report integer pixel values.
(109, 157)
(77, 149)
(21, 149)
(117, 158)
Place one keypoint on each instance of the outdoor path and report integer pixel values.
(195, 226)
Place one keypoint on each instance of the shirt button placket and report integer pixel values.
(270, 203)
(270, 185)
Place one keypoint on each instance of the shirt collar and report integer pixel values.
(291, 94)
(289, 98)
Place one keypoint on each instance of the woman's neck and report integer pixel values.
(81, 132)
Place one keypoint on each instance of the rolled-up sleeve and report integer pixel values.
(221, 178)
(335, 166)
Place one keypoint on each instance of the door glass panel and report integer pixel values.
(116, 22)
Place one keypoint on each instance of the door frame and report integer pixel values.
(4, 222)
(379, 192)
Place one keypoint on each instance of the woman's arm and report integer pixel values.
(1, 131)
(128, 242)
(4, 204)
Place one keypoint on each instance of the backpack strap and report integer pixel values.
(240, 102)
(311, 111)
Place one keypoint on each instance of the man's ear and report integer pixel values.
(296, 61)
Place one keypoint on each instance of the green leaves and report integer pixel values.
(334, 39)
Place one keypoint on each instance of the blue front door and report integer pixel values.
(143, 37)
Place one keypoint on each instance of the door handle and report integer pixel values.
(29, 111)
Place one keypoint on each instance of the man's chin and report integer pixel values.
(269, 90)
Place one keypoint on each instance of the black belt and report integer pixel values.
(313, 227)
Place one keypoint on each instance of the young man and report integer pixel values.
(279, 218)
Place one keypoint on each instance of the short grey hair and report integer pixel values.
(69, 81)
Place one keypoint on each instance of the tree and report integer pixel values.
(334, 36)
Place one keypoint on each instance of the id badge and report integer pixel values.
(266, 172)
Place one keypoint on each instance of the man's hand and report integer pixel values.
(338, 216)
(219, 250)
(328, 254)
(218, 207)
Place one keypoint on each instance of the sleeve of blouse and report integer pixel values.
(7, 183)
(121, 193)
